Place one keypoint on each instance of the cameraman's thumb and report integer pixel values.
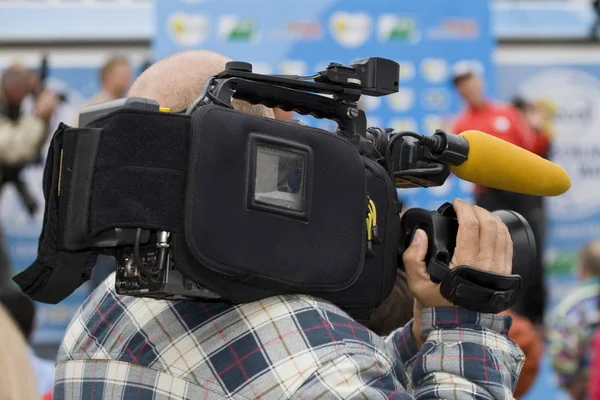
(414, 255)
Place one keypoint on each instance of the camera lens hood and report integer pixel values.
(524, 247)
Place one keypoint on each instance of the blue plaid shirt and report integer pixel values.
(296, 347)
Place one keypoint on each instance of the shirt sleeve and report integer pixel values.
(465, 355)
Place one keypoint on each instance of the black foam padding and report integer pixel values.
(55, 274)
(140, 172)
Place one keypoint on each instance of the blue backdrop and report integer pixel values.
(427, 38)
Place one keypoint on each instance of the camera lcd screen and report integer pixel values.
(279, 178)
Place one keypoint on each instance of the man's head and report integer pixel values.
(283, 115)
(16, 84)
(177, 80)
(21, 308)
(116, 76)
(590, 260)
(470, 87)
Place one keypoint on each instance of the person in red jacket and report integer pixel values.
(507, 122)
(537, 115)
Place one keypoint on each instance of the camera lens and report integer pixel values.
(524, 247)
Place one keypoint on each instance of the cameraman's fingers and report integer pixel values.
(467, 237)
(501, 259)
(488, 236)
(509, 252)
(414, 257)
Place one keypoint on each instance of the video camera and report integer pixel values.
(213, 203)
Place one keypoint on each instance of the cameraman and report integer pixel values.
(292, 346)
(21, 136)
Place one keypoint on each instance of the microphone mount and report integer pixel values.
(415, 160)
(446, 148)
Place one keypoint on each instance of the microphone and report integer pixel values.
(484, 159)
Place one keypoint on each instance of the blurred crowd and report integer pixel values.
(569, 332)
(23, 134)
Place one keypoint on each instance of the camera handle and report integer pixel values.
(352, 122)
(462, 285)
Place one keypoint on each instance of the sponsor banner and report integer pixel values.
(134, 19)
(429, 38)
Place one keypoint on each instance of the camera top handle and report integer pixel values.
(373, 76)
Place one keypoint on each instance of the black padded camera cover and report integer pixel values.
(57, 271)
(256, 207)
(246, 250)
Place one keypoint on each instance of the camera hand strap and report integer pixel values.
(475, 289)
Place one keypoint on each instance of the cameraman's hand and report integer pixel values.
(45, 105)
(482, 241)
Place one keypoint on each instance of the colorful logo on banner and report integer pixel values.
(396, 28)
(189, 30)
(350, 29)
(234, 28)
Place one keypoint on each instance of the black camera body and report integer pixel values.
(213, 203)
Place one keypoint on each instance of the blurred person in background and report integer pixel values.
(594, 374)
(506, 122)
(572, 323)
(17, 379)
(21, 137)
(22, 310)
(115, 76)
(539, 115)
(530, 341)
